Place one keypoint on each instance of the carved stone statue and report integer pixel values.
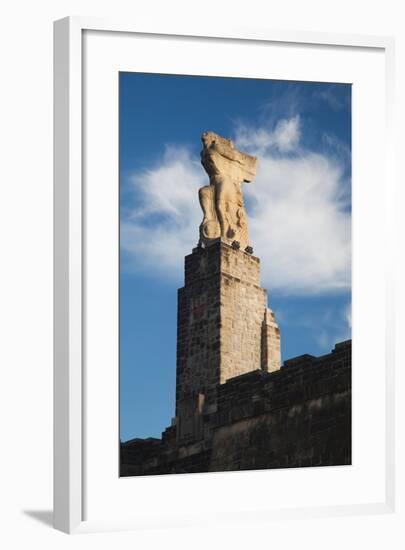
(222, 200)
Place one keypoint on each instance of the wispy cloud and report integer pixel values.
(297, 213)
(335, 327)
(163, 226)
(331, 97)
(348, 315)
(284, 137)
(299, 223)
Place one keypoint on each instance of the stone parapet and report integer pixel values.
(297, 416)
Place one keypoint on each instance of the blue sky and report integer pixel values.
(299, 212)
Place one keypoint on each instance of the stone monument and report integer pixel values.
(222, 200)
(225, 328)
(236, 407)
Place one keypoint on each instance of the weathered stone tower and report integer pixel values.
(224, 329)
(224, 326)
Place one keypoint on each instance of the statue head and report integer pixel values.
(210, 139)
(220, 155)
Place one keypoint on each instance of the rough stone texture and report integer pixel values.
(297, 416)
(224, 330)
(270, 352)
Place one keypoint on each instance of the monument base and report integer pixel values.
(225, 329)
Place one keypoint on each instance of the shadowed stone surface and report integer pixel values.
(297, 416)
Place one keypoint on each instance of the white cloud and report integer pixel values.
(163, 226)
(298, 223)
(284, 137)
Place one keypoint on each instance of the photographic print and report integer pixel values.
(235, 274)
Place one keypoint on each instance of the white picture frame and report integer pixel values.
(70, 384)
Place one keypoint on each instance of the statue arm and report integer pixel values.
(245, 162)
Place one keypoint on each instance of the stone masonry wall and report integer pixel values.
(198, 342)
(243, 306)
(271, 345)
(224, 330)
(297, 416)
